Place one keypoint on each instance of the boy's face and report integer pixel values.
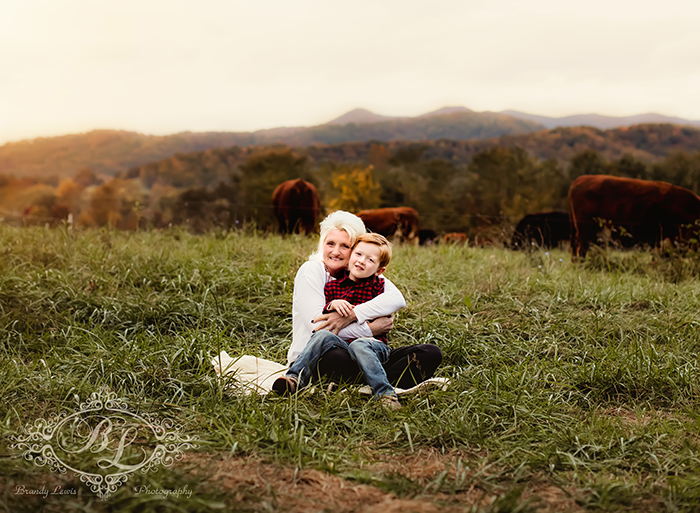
(364, 261)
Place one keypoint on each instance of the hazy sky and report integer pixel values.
(166, 66)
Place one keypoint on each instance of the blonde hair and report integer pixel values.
(338, 220)
(377, 240)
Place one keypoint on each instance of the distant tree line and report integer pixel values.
(111, 152)
(454, 137)
(485, 194)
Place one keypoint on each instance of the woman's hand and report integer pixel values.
(381, 326)
(333, 321)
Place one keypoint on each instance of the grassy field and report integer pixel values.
(574, 387)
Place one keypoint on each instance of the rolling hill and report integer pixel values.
(598, 121)
(112, 152)
(109, 152)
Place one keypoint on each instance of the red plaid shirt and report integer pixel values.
(354, 292)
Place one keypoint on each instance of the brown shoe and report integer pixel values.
(285, 385)
(390, 402)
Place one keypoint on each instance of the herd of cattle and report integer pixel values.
(635, 212)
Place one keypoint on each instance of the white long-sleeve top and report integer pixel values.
(309, 299)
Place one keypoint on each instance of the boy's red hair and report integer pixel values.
(377, 240)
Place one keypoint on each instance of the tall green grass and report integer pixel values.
(582, 376)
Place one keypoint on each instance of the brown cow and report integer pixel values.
(296, 206)
(401, 222)
(454, 238)
(648, 211)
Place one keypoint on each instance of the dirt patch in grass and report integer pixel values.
(633, 418)
(251, 485)
(423, 482)
(467, 486)
(550, 498)
(426, 481)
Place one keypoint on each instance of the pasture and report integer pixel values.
(574, 387)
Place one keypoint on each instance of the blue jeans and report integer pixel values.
(369, 354)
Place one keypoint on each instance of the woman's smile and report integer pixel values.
(336, 251)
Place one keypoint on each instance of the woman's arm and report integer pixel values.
(384, 304)
(308, 300)
(381, 307)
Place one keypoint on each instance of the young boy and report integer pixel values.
(368, 260)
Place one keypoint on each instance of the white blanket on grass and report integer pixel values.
(253, 375)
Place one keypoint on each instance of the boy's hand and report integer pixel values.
(341, 306)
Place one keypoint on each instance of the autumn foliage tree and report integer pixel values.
(115, 204)
(355, 189)
(86, 177)
(70, 194)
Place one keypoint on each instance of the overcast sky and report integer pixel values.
(167, 66)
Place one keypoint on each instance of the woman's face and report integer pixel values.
(336, 251)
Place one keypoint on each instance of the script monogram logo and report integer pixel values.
(103, 443)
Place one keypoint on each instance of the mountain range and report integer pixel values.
(111, 152)
(363, 116)
(598, 121)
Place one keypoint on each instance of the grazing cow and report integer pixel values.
(649, 212)
(401, 222)
(545, 230)
(296, 206)
(454, 238)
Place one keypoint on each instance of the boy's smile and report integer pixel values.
(364, 261)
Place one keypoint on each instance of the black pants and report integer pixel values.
(406, 367)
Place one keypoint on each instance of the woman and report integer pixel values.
(406, 367)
